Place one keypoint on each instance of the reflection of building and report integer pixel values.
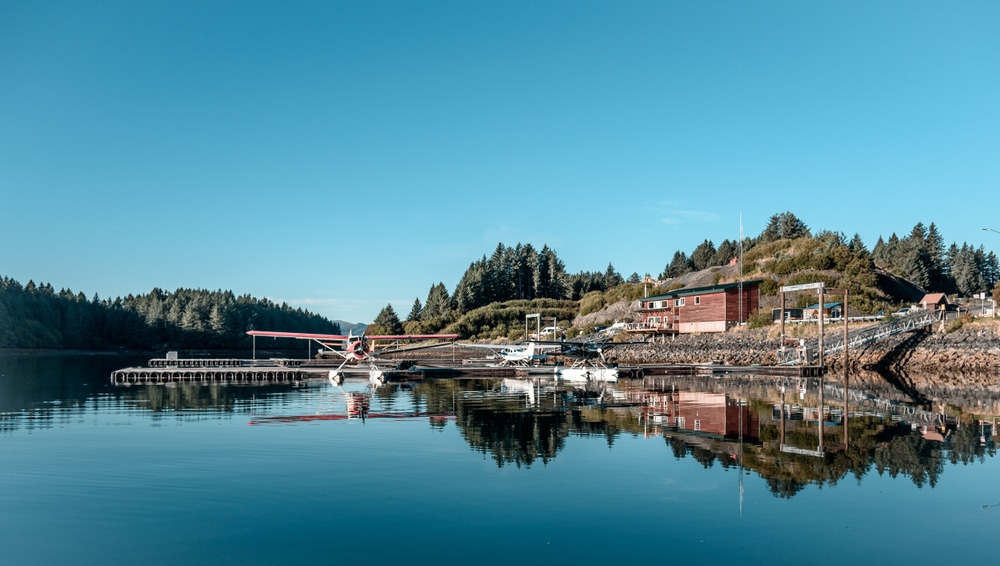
(701, 412)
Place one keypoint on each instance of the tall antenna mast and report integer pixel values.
(740, 275)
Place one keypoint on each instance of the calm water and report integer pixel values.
(479, 471)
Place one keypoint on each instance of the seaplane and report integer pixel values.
(359, 349)
(589, 363)
(520, 355)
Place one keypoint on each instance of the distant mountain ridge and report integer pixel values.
(351, 327)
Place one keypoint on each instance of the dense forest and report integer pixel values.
(496, 291)
(186, 318)
(499, 289)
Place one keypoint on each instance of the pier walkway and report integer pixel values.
(857, 338)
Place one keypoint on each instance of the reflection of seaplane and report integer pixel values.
(357, 349)
(357, 404)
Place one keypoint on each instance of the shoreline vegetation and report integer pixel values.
(974, 347)
(494, 297)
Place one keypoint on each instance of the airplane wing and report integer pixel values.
(398, 337)
(298, 335)
(345, 337)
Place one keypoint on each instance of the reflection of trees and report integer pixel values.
(911, 455)
(187, 397)
(512, 434)
(495, 423)
(889, 448)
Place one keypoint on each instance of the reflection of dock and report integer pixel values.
(721, 369)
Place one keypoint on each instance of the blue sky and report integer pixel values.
(341, 156)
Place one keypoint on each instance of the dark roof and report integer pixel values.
(703, 290)
(825, 305)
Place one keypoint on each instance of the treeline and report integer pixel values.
(518, 273)
(37, 316)
(921, 257)
(522, 273)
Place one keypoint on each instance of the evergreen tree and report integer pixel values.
(880, 253)
(678, 266)
(525, 261)
(415, 311)
(386, 322)
(470, 292)
(784, 226)
(543, 275)
(438, 304)
(726, 252)
(857, 246)
(612, 278)
(703, 255)
(968, 278)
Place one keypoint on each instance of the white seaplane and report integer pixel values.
(519, 355)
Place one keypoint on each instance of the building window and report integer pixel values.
(680, 422)
(679, 302)
(697, 300)
(697, 424)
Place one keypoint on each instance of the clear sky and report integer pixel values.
(341, 156)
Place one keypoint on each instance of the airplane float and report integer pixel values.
(357, 349)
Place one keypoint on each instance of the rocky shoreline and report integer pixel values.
(973, 348)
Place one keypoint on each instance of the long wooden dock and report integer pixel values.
(282, 371)
(220, 375)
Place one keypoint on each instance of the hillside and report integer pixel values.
(784, 262)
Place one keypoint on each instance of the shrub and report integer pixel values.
(761, 319)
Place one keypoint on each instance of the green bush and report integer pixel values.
(761, 319)
(591, 302)
(769, 287)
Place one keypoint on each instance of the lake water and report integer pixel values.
(480, 471)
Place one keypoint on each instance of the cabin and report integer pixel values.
(791, 315)
(830, 310)
(934, 302)
(700, 309)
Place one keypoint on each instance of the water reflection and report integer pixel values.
(769, 426)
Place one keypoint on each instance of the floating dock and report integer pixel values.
(289, 371)
(220, 370)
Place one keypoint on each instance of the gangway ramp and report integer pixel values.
(861, 337)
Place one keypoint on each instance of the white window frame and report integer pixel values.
(679, 302)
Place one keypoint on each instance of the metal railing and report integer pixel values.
(833, 344)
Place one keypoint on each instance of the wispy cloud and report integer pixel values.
(688, 216)
(322, 303)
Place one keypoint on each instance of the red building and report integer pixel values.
(701, 309)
